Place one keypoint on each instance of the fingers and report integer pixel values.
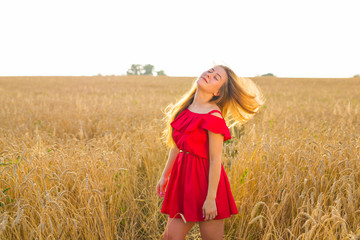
(162, 193)
(160, 190)
(157, 189)
(209, 216)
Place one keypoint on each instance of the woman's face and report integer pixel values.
(212, 80)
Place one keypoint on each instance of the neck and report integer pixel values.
(201, 98)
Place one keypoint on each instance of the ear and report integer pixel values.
(217, 93)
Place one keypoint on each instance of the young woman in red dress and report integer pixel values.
(194, 183)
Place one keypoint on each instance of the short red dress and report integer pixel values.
(187, 187)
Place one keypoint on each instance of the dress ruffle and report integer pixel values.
(191, 122)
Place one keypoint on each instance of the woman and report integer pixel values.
(198, 189)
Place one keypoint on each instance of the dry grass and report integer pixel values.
(80, 158)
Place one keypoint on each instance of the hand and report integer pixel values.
(160, 186)
(209, 209)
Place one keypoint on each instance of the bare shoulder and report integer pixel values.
(217, 114)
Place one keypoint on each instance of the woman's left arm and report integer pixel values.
(215, 147)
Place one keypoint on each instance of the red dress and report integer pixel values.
(187, 188)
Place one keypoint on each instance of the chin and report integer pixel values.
(201, 88)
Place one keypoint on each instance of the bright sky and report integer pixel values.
(304, 38)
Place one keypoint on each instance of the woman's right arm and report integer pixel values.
(174, 151)
(160, 186)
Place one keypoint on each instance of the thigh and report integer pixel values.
(176, 228)
(212, 229)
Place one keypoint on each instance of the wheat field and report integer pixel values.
(80, 158)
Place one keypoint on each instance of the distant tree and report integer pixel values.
(268, 75)
(135, 69)
(357, 75)
(149, 69)
(161, 73)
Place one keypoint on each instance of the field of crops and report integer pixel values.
(80, 158)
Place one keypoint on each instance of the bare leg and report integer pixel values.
(212, 229)
(176, 229)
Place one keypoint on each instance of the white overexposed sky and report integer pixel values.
(304, 38)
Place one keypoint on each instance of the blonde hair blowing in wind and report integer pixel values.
(239, 100)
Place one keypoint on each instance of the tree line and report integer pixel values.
(147, 69)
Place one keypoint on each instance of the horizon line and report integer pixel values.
(122, 75)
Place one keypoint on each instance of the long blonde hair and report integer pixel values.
(240, 98)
